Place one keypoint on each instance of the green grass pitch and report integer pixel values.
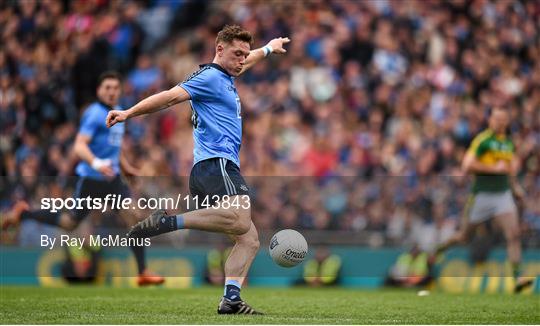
(103, 305)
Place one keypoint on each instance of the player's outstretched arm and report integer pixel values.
(274, 46)
(150, 104)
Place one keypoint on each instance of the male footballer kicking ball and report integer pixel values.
(491, 160)
(217, 122)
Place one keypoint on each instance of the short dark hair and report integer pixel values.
(109, 74)
(234, 32)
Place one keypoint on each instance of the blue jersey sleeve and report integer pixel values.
(89, 123)
(200, 84)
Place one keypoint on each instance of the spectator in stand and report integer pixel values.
(369, 88)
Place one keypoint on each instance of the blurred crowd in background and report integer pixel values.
(375, 102)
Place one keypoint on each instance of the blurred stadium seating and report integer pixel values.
(369, 113)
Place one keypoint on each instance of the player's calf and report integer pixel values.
(235, 221)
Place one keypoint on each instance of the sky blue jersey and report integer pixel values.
(105, 143)
(216, 115)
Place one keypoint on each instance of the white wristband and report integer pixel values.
(98, 163)
(267, 49)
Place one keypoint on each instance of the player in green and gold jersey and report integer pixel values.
(492, 161)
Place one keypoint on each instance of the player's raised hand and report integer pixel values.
(115, 116)
(277, 44)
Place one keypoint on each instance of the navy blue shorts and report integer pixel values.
(217, 176)
(98, 188)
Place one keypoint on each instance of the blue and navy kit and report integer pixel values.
(217, 133)
(216, 114)
(105, 143)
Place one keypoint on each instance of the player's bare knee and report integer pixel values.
(241, 227)
(249, 240)
(234, 221)
(242, 220)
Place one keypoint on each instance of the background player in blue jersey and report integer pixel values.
(100, 150)
(217, 122)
